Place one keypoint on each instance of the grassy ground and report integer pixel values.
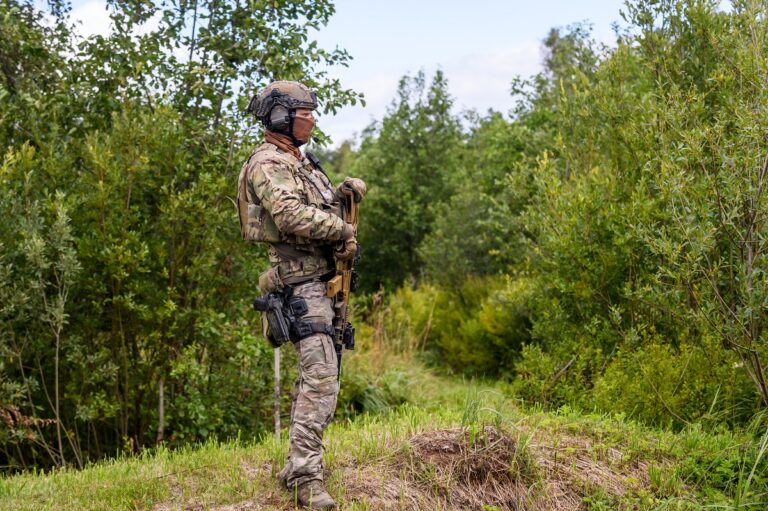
(456, 445)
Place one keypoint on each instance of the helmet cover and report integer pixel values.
(291, 95)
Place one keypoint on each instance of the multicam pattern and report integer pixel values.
(299, 201)
(314, 393)
(284, 200)
(297, 196)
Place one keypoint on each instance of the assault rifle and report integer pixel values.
(343, 283)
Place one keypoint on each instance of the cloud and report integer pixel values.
(93, 18)
(477, 81)
(379, 90)
(482, 81)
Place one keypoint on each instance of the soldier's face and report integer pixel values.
(303, 123)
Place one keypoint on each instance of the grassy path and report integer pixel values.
(458, 445)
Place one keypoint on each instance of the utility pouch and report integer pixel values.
(348, 337)
(297, 306)
(301, 329)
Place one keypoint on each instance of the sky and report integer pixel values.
(480, 45)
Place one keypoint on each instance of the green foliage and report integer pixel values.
(365, 392)
(603, 246)
(478, 329)
(407, 162)
(644, 242)
(557, 377)
(124, 280)
(710, 177)
(477, 231)
(660, 385)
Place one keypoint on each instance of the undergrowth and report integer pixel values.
(454, 445)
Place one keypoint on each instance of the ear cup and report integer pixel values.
(279, 119)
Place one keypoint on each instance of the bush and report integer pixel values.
(491, 336)
(478, 328)
(556, 379)
(368, 392)
(661, 385)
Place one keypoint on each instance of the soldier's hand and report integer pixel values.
(347, 232)
(348, 247)
(354, 185)
(347, 251)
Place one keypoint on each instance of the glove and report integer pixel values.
(347, 232)
(347, 251)
(354, 185)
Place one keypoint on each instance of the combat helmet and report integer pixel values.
(276, 104)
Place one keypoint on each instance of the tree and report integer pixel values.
(127, 145)
(409, 162)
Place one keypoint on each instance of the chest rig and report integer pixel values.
(311, 185)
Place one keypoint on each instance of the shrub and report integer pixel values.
(663, 385)
(477, 328)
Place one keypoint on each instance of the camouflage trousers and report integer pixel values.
(315, 392)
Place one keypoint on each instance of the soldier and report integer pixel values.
(287, 201)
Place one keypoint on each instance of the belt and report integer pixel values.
(293, 252)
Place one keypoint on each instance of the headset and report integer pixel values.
(281, 119)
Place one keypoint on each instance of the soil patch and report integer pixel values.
(449, 469)
(496, 469)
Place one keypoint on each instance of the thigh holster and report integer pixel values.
(284, 313)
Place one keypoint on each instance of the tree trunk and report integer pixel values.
(56, 396)
(160, 412)
(277, 393)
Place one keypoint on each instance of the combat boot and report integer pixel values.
(312, 495)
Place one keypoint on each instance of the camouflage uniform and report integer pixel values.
(297, 205)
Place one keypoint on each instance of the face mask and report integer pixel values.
(302, 128)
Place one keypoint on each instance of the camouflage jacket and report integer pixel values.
(292, 206)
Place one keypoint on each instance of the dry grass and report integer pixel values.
(445, 469)
(458, 469)
(417, 457)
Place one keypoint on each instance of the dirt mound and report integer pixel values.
(469, 469)
(491, 468)
(449, 469)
